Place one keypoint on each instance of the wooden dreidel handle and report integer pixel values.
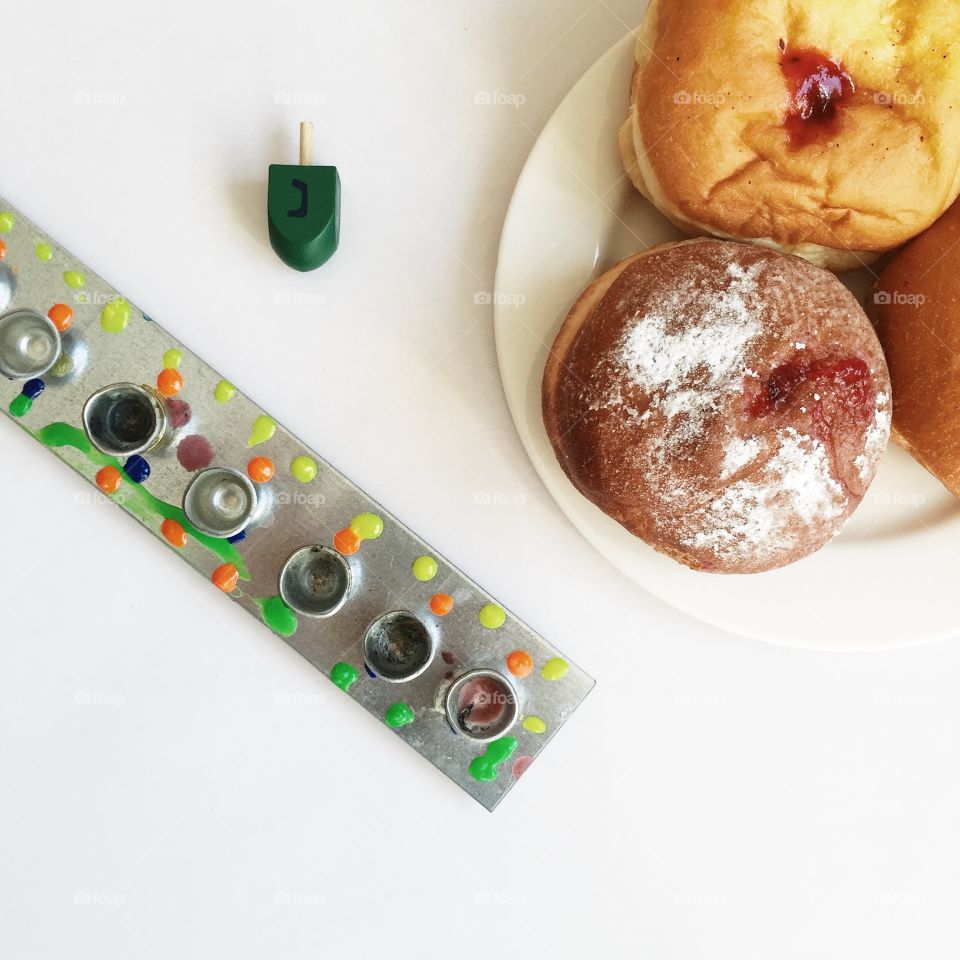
(303, 209)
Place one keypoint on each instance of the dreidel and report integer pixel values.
(303, 209)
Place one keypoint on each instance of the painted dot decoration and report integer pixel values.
(115, 316)
(74, 279)
(278, 616)
(172, 359)
(33, 388)
(137, 468)
(554, 668)
(424, 568)
(225, 577)
(492, 616)
(485, 766)
(3, 250)
(520, 663)
(6, 221)
(174, 533)
(43, 252)
(108, 480)
(344, 676)
(20, 405)
(520, 766)
(194, 452)
(169, 382)
(303, 469)
(263, 429)
(367, 526)
(61, 316)
(63, 366)
(346, 542)
(441, 604)
(534, 725)
(179, 412)
(398, 715)
(224, 391)
(260, 469)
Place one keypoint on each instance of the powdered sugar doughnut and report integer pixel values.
(727, 403)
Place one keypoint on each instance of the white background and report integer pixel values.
(176, 782)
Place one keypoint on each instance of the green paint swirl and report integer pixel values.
(485, 766)
(277, 615)
(139, 501)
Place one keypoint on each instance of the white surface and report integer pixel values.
(573, 216)
(714, 798)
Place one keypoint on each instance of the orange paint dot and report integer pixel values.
(346, 542)
(441, 604)
(520, 663)
(3, 250)
(170, 382)
(260, 469)
(226, 577)
(109, 479)
(61, 316)
(174, 532)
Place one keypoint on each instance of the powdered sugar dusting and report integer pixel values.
(737, 454)
(878, 433)
(758, 516)
(686, 372)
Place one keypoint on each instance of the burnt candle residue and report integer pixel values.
(818, 86)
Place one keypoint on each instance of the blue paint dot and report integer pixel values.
(137, 469)
(370, 673)
(237, 537)
(33, 388)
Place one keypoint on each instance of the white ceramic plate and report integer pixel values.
(887, 580)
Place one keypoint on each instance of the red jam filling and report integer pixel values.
(845, 383)
(818, 87)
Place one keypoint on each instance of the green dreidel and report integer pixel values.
(303, 209)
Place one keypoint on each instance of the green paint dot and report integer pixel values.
(534, 725)
(277, 616)
(172, 359)
(263, 429)
(485, 766)
(368, 526)
(344, 676)
(492, 616)
(554, 668)
(74, 279)
(115, 316)
(6, 221)
(304, 469)
(224, 391)
(20, 405)
(424, 568)
(63, 366)
(43, 252)
(398, 715)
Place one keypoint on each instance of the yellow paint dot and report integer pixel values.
(172, 359)
(424, 568)
(74, 279)
(63, 366)
(43, 252)
(224, 391)
(367, 526)
(115, 316)
(6, 221)
(492, 616)
(263, 429)
(534, 725)
(304, 469)
(554, 668)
